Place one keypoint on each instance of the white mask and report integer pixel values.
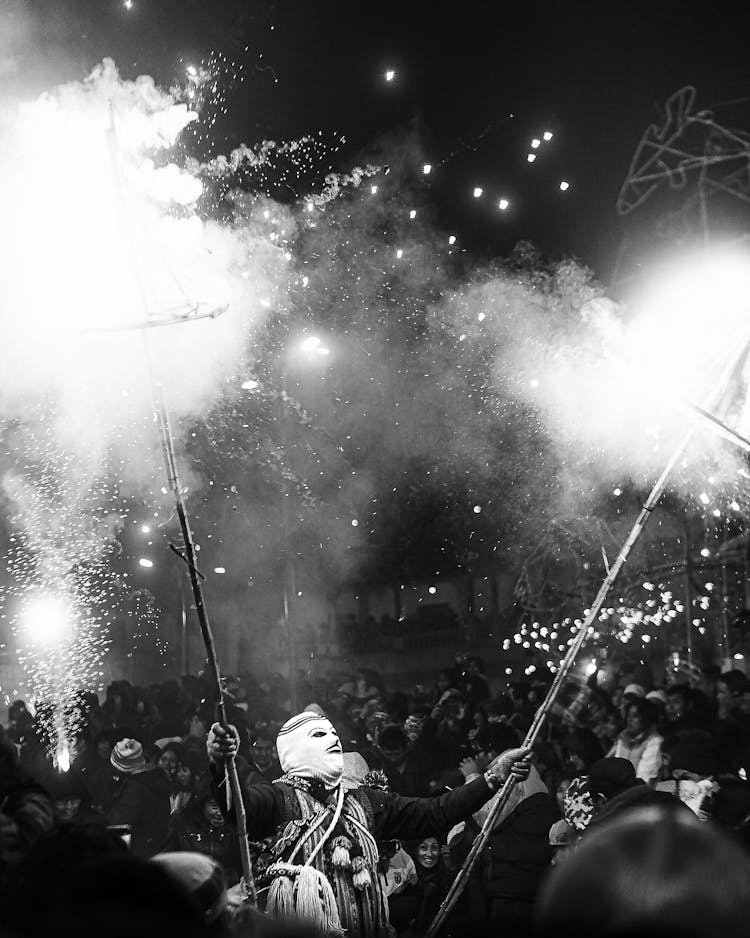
(309, 747)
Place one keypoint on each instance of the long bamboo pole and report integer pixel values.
(483, 836)
(232, 775)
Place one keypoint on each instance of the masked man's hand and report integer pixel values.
(222, 743)
(515, 762)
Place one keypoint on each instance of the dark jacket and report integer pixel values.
(505, 881)
(190, 830)
(143, 803)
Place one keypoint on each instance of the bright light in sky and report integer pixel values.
(503, 204)
(477, 509)
(46, 619)
(535, 143)
(145, 562)
(531, 157)
(478, 191)
(452, 239)
(432, 590)
(427, 169)
(547, 134)
(413, 213)
(390, 74)
(564, 186)
(128, 4)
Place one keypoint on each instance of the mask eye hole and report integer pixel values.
(317, 734)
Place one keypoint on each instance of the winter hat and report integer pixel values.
(610, 776)
(694, 752)
(201, 876)
(127, 757)
(355, 770)
(637, 690)
(309, 747)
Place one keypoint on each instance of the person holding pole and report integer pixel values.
(318, 856)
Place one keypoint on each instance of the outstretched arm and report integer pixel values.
(407, 818)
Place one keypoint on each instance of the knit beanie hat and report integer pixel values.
(309, 747)
(201, 876)
(611, 775)
(127, 757)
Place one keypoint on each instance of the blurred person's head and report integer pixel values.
(55, 860)
(124, 896)
(639, 717)
(393, 744)
(650, 872)
(264, 752)
(676, 707)
(168, 761)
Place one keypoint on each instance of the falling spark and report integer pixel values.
(478, 192)
(503, 204)
(531, 157)
(547, 134)
(564, 186)
(535, 143)
(390, 74)
(427, 169)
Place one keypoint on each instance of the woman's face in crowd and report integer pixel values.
(634, 722)
(212, 813)
(675, 707)
(185, 776)
(168, 763)
(428, 852)
(104, 749)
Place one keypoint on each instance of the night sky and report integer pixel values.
(476, 81)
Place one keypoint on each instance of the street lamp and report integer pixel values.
(310, 349)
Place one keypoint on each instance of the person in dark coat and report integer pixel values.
(95, 756)
(142, 801)
(202, 828)
(72, 799)
(319, 855)
(408, 771)
(25, 809)
(504, 884)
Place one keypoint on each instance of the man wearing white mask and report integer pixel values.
(318, 856)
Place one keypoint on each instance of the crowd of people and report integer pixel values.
(630, 816)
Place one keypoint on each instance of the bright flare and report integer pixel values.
(46, 620)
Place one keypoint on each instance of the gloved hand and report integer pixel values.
(515, 762)
(222, 744)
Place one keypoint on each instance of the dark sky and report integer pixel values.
(593, 74)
